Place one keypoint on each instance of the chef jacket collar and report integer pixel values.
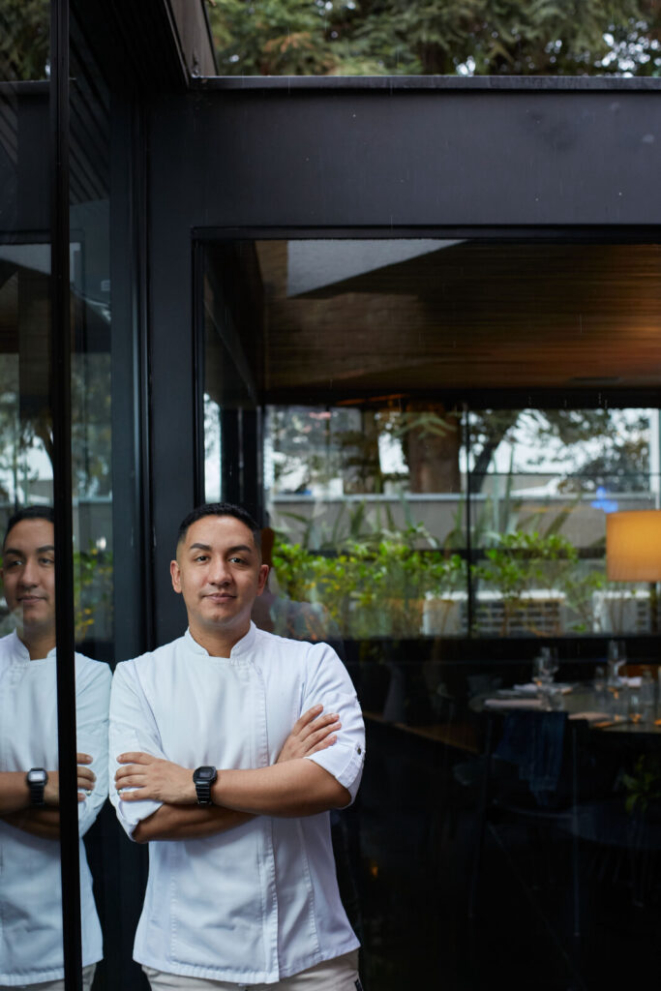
(20, 653)
(239, 652)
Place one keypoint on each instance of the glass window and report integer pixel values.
(31, 947)
(447, 428)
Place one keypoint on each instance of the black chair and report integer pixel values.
(536, 768)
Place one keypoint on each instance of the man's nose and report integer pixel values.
(219, 571)
(29, 574)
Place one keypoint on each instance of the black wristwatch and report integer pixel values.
(37, 779)
(203, 778)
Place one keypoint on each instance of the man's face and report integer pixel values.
(218, 571)
(28, 574)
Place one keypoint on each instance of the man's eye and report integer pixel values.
(201, 557)
(237, 560)
(12, 564)
(47, 561)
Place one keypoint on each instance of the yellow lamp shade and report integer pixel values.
(633, 546)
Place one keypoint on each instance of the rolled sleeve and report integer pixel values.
(132, 729)
(92, 693)
(329, 684)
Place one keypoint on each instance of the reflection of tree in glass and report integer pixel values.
(305, 447)
(581, 449)
(24, 39)
(589, 447)
(313, 447)
(20, 437)
(91, 425)
(93, 587)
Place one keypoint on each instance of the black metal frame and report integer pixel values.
(62, 489)
(232, 117)
(500, 398)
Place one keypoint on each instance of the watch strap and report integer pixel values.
(203, 783)
(37, 788)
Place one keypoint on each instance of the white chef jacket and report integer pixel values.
(30, 881)
(259, 902)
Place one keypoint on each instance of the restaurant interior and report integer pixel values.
(460, 464)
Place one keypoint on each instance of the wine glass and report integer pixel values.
(545, 665)
(617, 658)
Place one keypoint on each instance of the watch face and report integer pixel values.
(205, 774)
(37, 776)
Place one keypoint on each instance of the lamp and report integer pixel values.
(633, 550)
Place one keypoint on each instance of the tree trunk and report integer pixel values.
(433, 458)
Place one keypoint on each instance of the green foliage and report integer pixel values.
(643, 786)
(524, 561)
(271, 37)
(92, 587)
(529, 37)
(377, 586)
(24, 39)
(370, 589)
(579, 587)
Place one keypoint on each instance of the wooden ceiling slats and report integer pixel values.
(478, 314)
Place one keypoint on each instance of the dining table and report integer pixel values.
(601, 708)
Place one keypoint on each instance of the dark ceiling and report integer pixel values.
(473, 315)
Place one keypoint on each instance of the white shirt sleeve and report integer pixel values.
(92, 697)
(132, 728)
(328, 684)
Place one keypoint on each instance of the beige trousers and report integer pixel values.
(88, 977)
(339, 974)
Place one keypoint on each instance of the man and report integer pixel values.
(30, 886)
(244, 894)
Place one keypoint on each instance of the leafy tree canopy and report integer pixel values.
(486, 37)
(24, 39)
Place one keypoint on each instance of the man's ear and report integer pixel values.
(175, 575)
(261, 579)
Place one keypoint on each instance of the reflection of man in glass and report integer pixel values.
(30, 885)
(245, 892)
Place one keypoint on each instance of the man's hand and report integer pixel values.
(311, 733)
(86, 778)
(153, 778)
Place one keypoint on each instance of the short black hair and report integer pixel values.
(29, 513)
(221, 509)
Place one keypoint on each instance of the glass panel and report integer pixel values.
(30, 886)
(448, 427)
(230, 328)
(91, 408)
(374, 497)
(542, 485)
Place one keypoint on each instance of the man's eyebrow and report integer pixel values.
(20, 553)
(230, 550)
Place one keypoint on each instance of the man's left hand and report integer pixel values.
(153, 778)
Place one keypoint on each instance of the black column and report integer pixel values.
(61, 411)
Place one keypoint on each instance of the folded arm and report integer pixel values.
(293, 788)
(179, 817)
(296, 788)
(43, 821)
(14, 792)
